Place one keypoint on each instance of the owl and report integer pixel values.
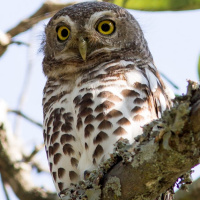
(102, 85)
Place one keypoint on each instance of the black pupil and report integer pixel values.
(64, 33)
(105, 27)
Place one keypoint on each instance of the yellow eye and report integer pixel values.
(106, 27)
(63, 33)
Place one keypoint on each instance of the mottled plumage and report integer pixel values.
(100, 87)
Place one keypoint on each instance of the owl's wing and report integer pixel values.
(145, 79)
(159, 95)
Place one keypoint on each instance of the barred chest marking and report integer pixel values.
(83, 121)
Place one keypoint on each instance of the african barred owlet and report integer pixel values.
(102, 85)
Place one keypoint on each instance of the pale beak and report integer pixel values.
(82, 46)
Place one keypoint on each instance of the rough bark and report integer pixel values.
(193, 192)
(168, 148)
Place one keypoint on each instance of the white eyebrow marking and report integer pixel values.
(66, 19)
(98, 15)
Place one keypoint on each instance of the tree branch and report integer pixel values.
(47, 10)
(193, 192)
(168, 148)
(13, 170)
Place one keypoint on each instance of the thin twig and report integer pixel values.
(19, 43)
(26, 83)
(25, 117)
(34, 163)
(33, 153)
(39, 167)
(168, 80)
(4, 188)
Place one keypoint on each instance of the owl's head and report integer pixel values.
(84, 35)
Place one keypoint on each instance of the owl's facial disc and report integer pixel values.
(83, 40)
(82, 37)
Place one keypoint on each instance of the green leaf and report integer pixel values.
(158, 5)
(199, 68)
